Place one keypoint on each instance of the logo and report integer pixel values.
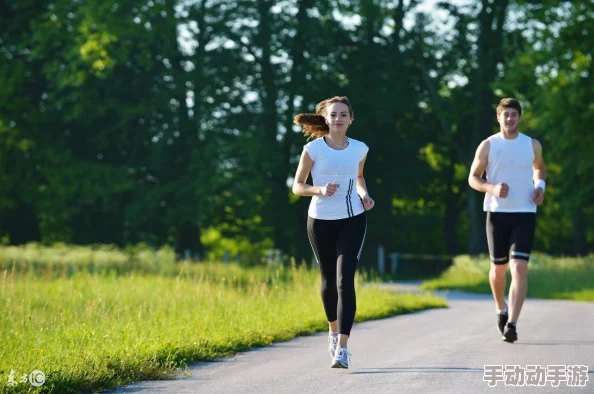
(36, 378)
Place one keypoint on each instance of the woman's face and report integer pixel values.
(338, 117)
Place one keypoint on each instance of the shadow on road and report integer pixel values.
(555, 343)
(366, 371)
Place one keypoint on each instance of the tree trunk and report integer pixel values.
(297, 235)
(451, 210)
(489, 54)
(580, 245)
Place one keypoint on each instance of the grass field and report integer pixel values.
(89, 329)
(548, 277)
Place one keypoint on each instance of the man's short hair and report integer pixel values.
(509, 103)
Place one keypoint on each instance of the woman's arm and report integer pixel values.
(368, 202)
(301, 188)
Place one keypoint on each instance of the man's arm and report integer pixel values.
(539, 173)
(540, 170)
(479, 165)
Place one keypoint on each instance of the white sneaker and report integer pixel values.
(342, 358)
(332, 344)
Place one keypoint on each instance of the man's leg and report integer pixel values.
(517, 288)
(497, 280)
(498, 242)
(517, 295)
(522, 238)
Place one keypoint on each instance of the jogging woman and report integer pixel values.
(336, 222)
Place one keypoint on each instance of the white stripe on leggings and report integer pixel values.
(362, 242)
(314, 251)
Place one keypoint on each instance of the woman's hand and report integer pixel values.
(368, 202)
(329, 189)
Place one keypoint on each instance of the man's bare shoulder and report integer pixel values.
(536, 144)
(483, 148)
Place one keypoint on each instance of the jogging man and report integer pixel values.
(513, 188)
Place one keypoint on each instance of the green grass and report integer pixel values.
(548, 277)
(65, 260)
(90, 332)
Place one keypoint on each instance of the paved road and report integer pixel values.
(435, 351)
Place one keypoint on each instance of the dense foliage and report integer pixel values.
(170, 122)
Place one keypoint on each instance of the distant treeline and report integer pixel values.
(170, 122)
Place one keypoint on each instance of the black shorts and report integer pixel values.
(510, 235)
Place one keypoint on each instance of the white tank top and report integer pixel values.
(336, 166)
(511, 162)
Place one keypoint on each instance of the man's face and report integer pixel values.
(509, 119)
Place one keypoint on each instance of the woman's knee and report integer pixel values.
(346, 284)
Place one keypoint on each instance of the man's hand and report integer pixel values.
(500, 190)
(538, 196)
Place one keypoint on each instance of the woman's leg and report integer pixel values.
(350, 243)
(322, 237)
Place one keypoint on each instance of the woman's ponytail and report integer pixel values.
(314, 125)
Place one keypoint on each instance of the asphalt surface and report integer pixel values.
(433, 351)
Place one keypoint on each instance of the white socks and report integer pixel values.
(504, 310)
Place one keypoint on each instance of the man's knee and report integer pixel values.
(519, 268)
(498, 270)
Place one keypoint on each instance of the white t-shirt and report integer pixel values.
(336, 166)
(511, 162)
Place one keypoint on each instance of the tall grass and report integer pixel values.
(89, 332)
(61, 259)
(570, 278)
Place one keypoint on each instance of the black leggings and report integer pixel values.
(337, 246)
